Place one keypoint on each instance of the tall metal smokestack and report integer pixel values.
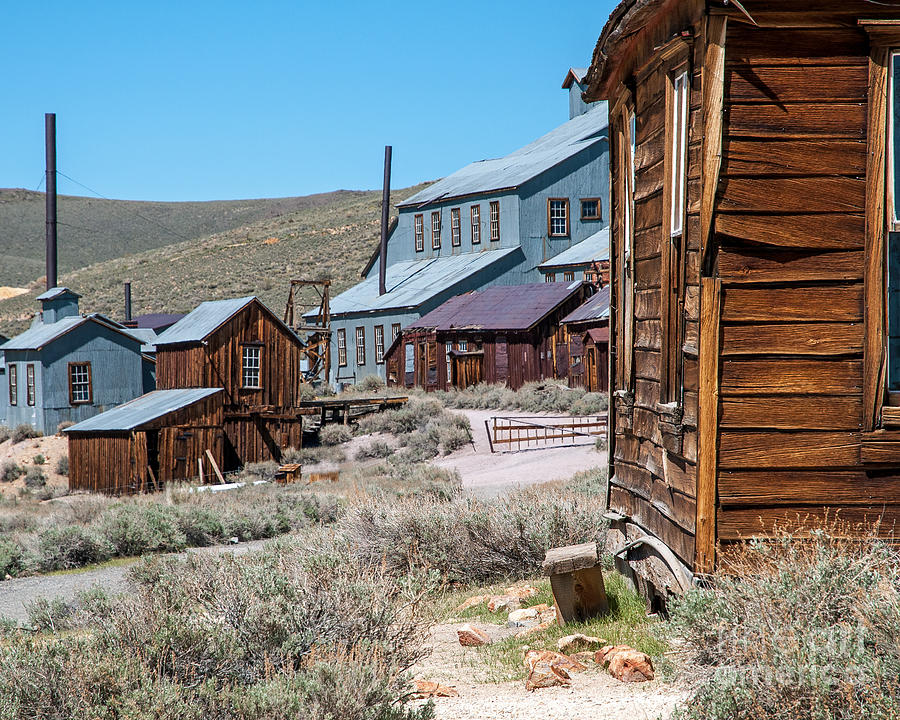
(385, 215)
(128, 302)
(50, 142)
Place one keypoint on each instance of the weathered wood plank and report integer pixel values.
(646, 273)
(799, 487)
(744, 523)
(675, 505)
(755, 263)
(648, 517)
(780, 450)
(792, 412)
(648, 212)
(646, 243)
(793, 339)
(839, 303)
(648, 334)
(794, 157)
(713, 121)
(646, 305)
(790, 376)
(793, 195)
(646, 364)
(838, 231)
(648, 181)
(707, 423)
(797, 120)
(780, 85)
(747, 45)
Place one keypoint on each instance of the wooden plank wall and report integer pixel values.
(651, 485)
(259, 439)
(100, 464)
(790, 230)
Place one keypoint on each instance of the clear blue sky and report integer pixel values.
(201, 100)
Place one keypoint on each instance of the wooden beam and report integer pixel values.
(215, 467)
(200, 469)
(713, 113)
(707, 424)
(874, 354)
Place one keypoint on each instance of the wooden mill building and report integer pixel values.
(502, 334)
(754, 324)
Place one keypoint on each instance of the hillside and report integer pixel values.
(328, 235)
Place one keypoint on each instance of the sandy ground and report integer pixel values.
(23, 453)
(593, 695)
(486, 473)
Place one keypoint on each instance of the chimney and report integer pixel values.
(128, 302)
(58, 304)
(385, 214)
(50, 145)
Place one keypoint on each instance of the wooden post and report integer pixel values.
(215, 467)
(200, 468)
(707, 423)
(713, 114)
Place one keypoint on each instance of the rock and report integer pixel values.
(521, 591)
(625, 663)
(8, 577)
(234, 540)
(540, 627)
(542, 608)
(557, 660)
(503, 602)
(471, 636)
(547, 668)
(427, 689)
(471, 602)
(523, 616)
(576, 642)
(584, 657)
(549, 615)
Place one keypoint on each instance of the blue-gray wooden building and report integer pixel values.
(68, 367)
(493, 222)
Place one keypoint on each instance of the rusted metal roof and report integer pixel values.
(501, 307)
(598, 335)
(596, 308)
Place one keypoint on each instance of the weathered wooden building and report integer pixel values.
(587, 330)
(242, 347)
(139, 446)
(502, 334)
(753, 269)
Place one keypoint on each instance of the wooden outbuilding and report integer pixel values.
(503, 334)
(587, 329)
(755, 367)
(139, 446)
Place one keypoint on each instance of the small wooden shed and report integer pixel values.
(503, 334)
(587, 328)
(143, 444)
(754, 326)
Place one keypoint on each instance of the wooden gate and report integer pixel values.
(517, 433)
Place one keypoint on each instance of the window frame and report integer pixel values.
(13, 379)
(436, 230)
(494, 221)
(395, 331)
(379, 344)
(90, 384)
(455, 228)
(475, 223)
(419, 231)
(549, 277)
(342, 347)
(258, 347)
(569, 276)
(678, 111)
(598, 201)
(550, 218)
(30, 385)
(360, 345)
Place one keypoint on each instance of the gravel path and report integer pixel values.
(16, 594)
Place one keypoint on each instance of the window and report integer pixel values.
(558, 217)
(419, 223)
(447, 348)
(13, 384)
(495, 221)
(569, 276)
(435, 230)
(550, 277)
(626, 139)
(476, 224)
(29, 384)
(395, 331)
(679, 110)
(342, 347)
(590, 209)
(360, 346)
(463, 345)
(455, 230)
(80, 390)
(379, 344)
(251, 367)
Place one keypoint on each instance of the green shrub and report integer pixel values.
(335, 434)
(5, 433)
(62, 465)
(542, 396)
(9, 471)
(24, 432)
(63, 425)
(369, 384)
(14, 561)
(374, 449)
(70, 547)
(138, 529)
(39, 459)
(35, 478)
(260, 471)
(201, 526)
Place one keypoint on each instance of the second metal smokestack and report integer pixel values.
(385, 215)
(128, 302)
(50, 143)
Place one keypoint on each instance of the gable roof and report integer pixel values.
(500, 307)
(574, 75)
(41, 334)
(142, 410)
(596, 308)
(411, 283)
(518, 167)
(56, 292)
(594, 247)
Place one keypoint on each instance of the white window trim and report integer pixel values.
(678, 183)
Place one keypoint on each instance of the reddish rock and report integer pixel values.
(540, 627)
(471, 636)
(625, 663)
(576, 642)
(427, 689)
(521, 591)
(471, 602)
(547, 668)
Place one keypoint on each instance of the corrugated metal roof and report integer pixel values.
(41, 334)
(593, 247)
(142, 410)
(501, 307)
(413, 282)
(576, 74)
(157, 321)
(202, 320)
(522, 165)
(56, 292)
(596, 308)
(146, 336)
